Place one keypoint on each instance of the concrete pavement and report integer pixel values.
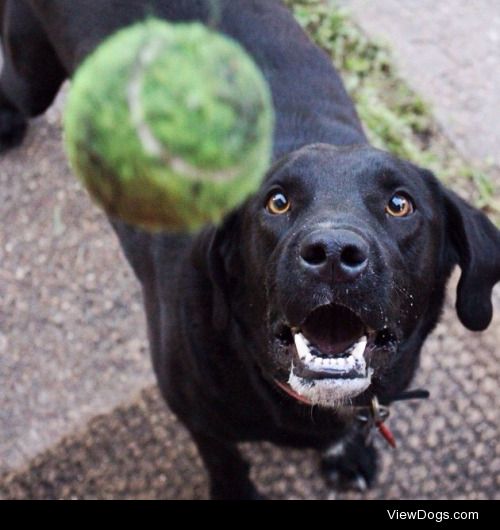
(449, 52)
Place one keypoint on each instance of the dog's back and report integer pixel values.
(311, 103)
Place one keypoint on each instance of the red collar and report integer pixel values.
(291, 392)
(373, 415)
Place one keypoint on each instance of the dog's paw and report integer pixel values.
(240, 492)
(13, 127)
(349, 465)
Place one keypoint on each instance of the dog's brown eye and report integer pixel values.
(399, 206)
(278, 203)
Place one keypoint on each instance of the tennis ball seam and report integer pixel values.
(148, 52)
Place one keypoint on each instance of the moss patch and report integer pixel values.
(395, 117)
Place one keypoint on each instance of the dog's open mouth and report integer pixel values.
(331, 343)
(331, 354)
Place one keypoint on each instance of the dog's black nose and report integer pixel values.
(338, 255)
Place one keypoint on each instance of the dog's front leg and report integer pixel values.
(228, 472)
(350, 463)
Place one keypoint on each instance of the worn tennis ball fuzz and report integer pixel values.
(169, 125)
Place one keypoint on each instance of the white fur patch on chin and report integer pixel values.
(329, 392)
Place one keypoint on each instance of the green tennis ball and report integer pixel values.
(169, 126)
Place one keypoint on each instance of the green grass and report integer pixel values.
(394, 116)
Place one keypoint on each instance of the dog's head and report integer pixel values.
(335, 271)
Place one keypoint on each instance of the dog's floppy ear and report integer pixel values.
(222, 253)
(476, 245)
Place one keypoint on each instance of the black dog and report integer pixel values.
(320, 289)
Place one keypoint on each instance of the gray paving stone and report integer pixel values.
(72, 335)
(449, 51)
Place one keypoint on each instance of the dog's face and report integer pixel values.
(345, 253)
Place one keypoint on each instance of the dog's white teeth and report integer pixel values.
(302, 347)
(310, 355)
(359, 347)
